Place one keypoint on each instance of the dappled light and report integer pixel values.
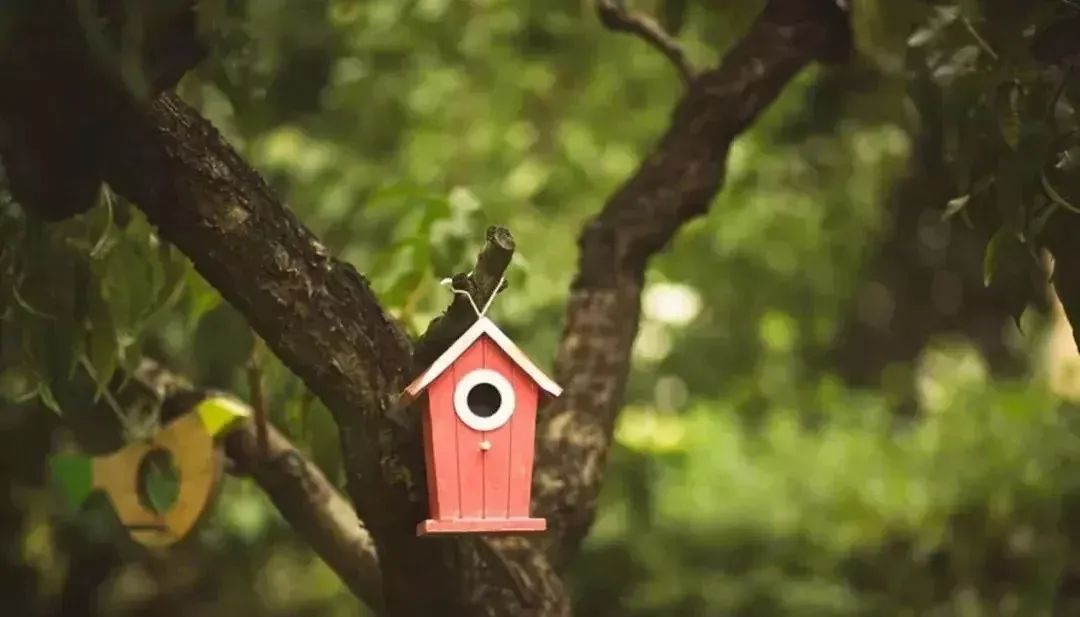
(804, 274)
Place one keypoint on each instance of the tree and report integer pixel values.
(324, 321)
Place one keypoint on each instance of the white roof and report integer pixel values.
(488, 327)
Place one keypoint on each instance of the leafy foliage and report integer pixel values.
(80, 296)
(749, 479)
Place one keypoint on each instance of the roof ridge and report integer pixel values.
(482, 326)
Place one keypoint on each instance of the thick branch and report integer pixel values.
(676, 182)
(320, 317)
(615, 15)
(312, 505)
(317, 314)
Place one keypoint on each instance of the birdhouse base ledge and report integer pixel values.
(480, 525)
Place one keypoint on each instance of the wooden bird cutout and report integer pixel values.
(191, 441)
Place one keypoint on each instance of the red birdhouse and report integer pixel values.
(479, 429)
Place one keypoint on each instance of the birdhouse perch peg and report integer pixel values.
(479, 429)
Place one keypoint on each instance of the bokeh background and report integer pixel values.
(829, 413)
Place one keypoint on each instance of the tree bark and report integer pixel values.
(321, 318)
(676, 183)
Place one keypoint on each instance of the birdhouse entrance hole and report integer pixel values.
(484, 400)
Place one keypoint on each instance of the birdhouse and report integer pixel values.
(479, 430)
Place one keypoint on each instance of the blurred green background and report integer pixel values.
(830, 411)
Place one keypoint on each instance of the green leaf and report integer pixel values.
(174, 269)
(127, 280)
(1055, 196)
(26, 306)
(105, 239)
(159, 480)
(54, 347)
(74, 475)
(102, 350)
(202, 298)
(219, 413)
(45, 395)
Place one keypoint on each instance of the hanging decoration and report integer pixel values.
(190, 441)
(479, 426)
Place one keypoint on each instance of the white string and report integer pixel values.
(479, 312)
(450, 283)
(491, 298)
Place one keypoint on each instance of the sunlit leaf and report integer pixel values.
(220, 413)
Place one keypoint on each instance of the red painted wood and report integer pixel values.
(469, 455)
(492, 526)
(522, 427)
(472, 490)
(497, 459)
(442, 463)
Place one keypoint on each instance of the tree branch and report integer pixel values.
(485, 280)
(675, 183)
(317, 314)
(313, 507)
(616, 16)
(299, 490)
(321, 318)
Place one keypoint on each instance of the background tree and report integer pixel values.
(742, 476)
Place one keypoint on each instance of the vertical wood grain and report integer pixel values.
(497, 459)
(523, 431)
(442, 461)
(469, 455)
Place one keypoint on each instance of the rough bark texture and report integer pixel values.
(321, 318)
(676, 182)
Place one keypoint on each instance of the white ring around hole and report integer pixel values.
(501, 385)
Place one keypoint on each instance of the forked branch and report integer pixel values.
(617, 16)
(675, 183)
